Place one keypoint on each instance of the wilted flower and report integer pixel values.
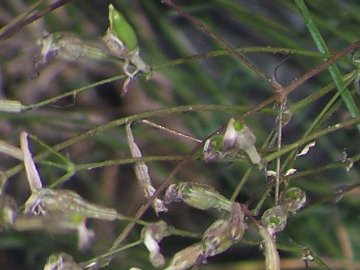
(142, 173)
(8, 210)
(152, 235)
(237, 222)
(213, 148)
(197, 195)
(185, 258)
(239, 136)
(274, 219)
(61, 261)
(293, 199)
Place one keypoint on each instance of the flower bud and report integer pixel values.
(239, 136)
(274, 219)
(197, 195)
(122, 29)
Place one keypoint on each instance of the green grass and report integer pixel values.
(211, 61)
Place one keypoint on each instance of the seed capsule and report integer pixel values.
(293, 199)
(274, 219)
(197, 195)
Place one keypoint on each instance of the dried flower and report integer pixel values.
(61, 261)
(31, 171)
(152, 235)
(213, 148)
(142, 173)
(197, 195)
(8, 210)
(236, 222)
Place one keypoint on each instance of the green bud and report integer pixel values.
(122, 29)
(239, 136)
(61, 261)
(230, 136)
(197, 195)
(293, 199)
(274, 219)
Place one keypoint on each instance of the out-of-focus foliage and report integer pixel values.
(92, 150)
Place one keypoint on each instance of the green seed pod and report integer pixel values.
(197, 195)
(185, 258)
(48, 200)
(122, 29)
(293, 199)
(274, 219)
(216, 239)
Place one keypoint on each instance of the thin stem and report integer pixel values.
(255, 49)
(14, 28)
(171, 131)
(333, 69)
(103, 260)
(311, 137)
(278, 159)
(202, 27)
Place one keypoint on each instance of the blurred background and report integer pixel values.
(267, 29)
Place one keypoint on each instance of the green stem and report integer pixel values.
(333, 69)
(310, 138)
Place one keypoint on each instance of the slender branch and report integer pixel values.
(202, 27)
(16, 27)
